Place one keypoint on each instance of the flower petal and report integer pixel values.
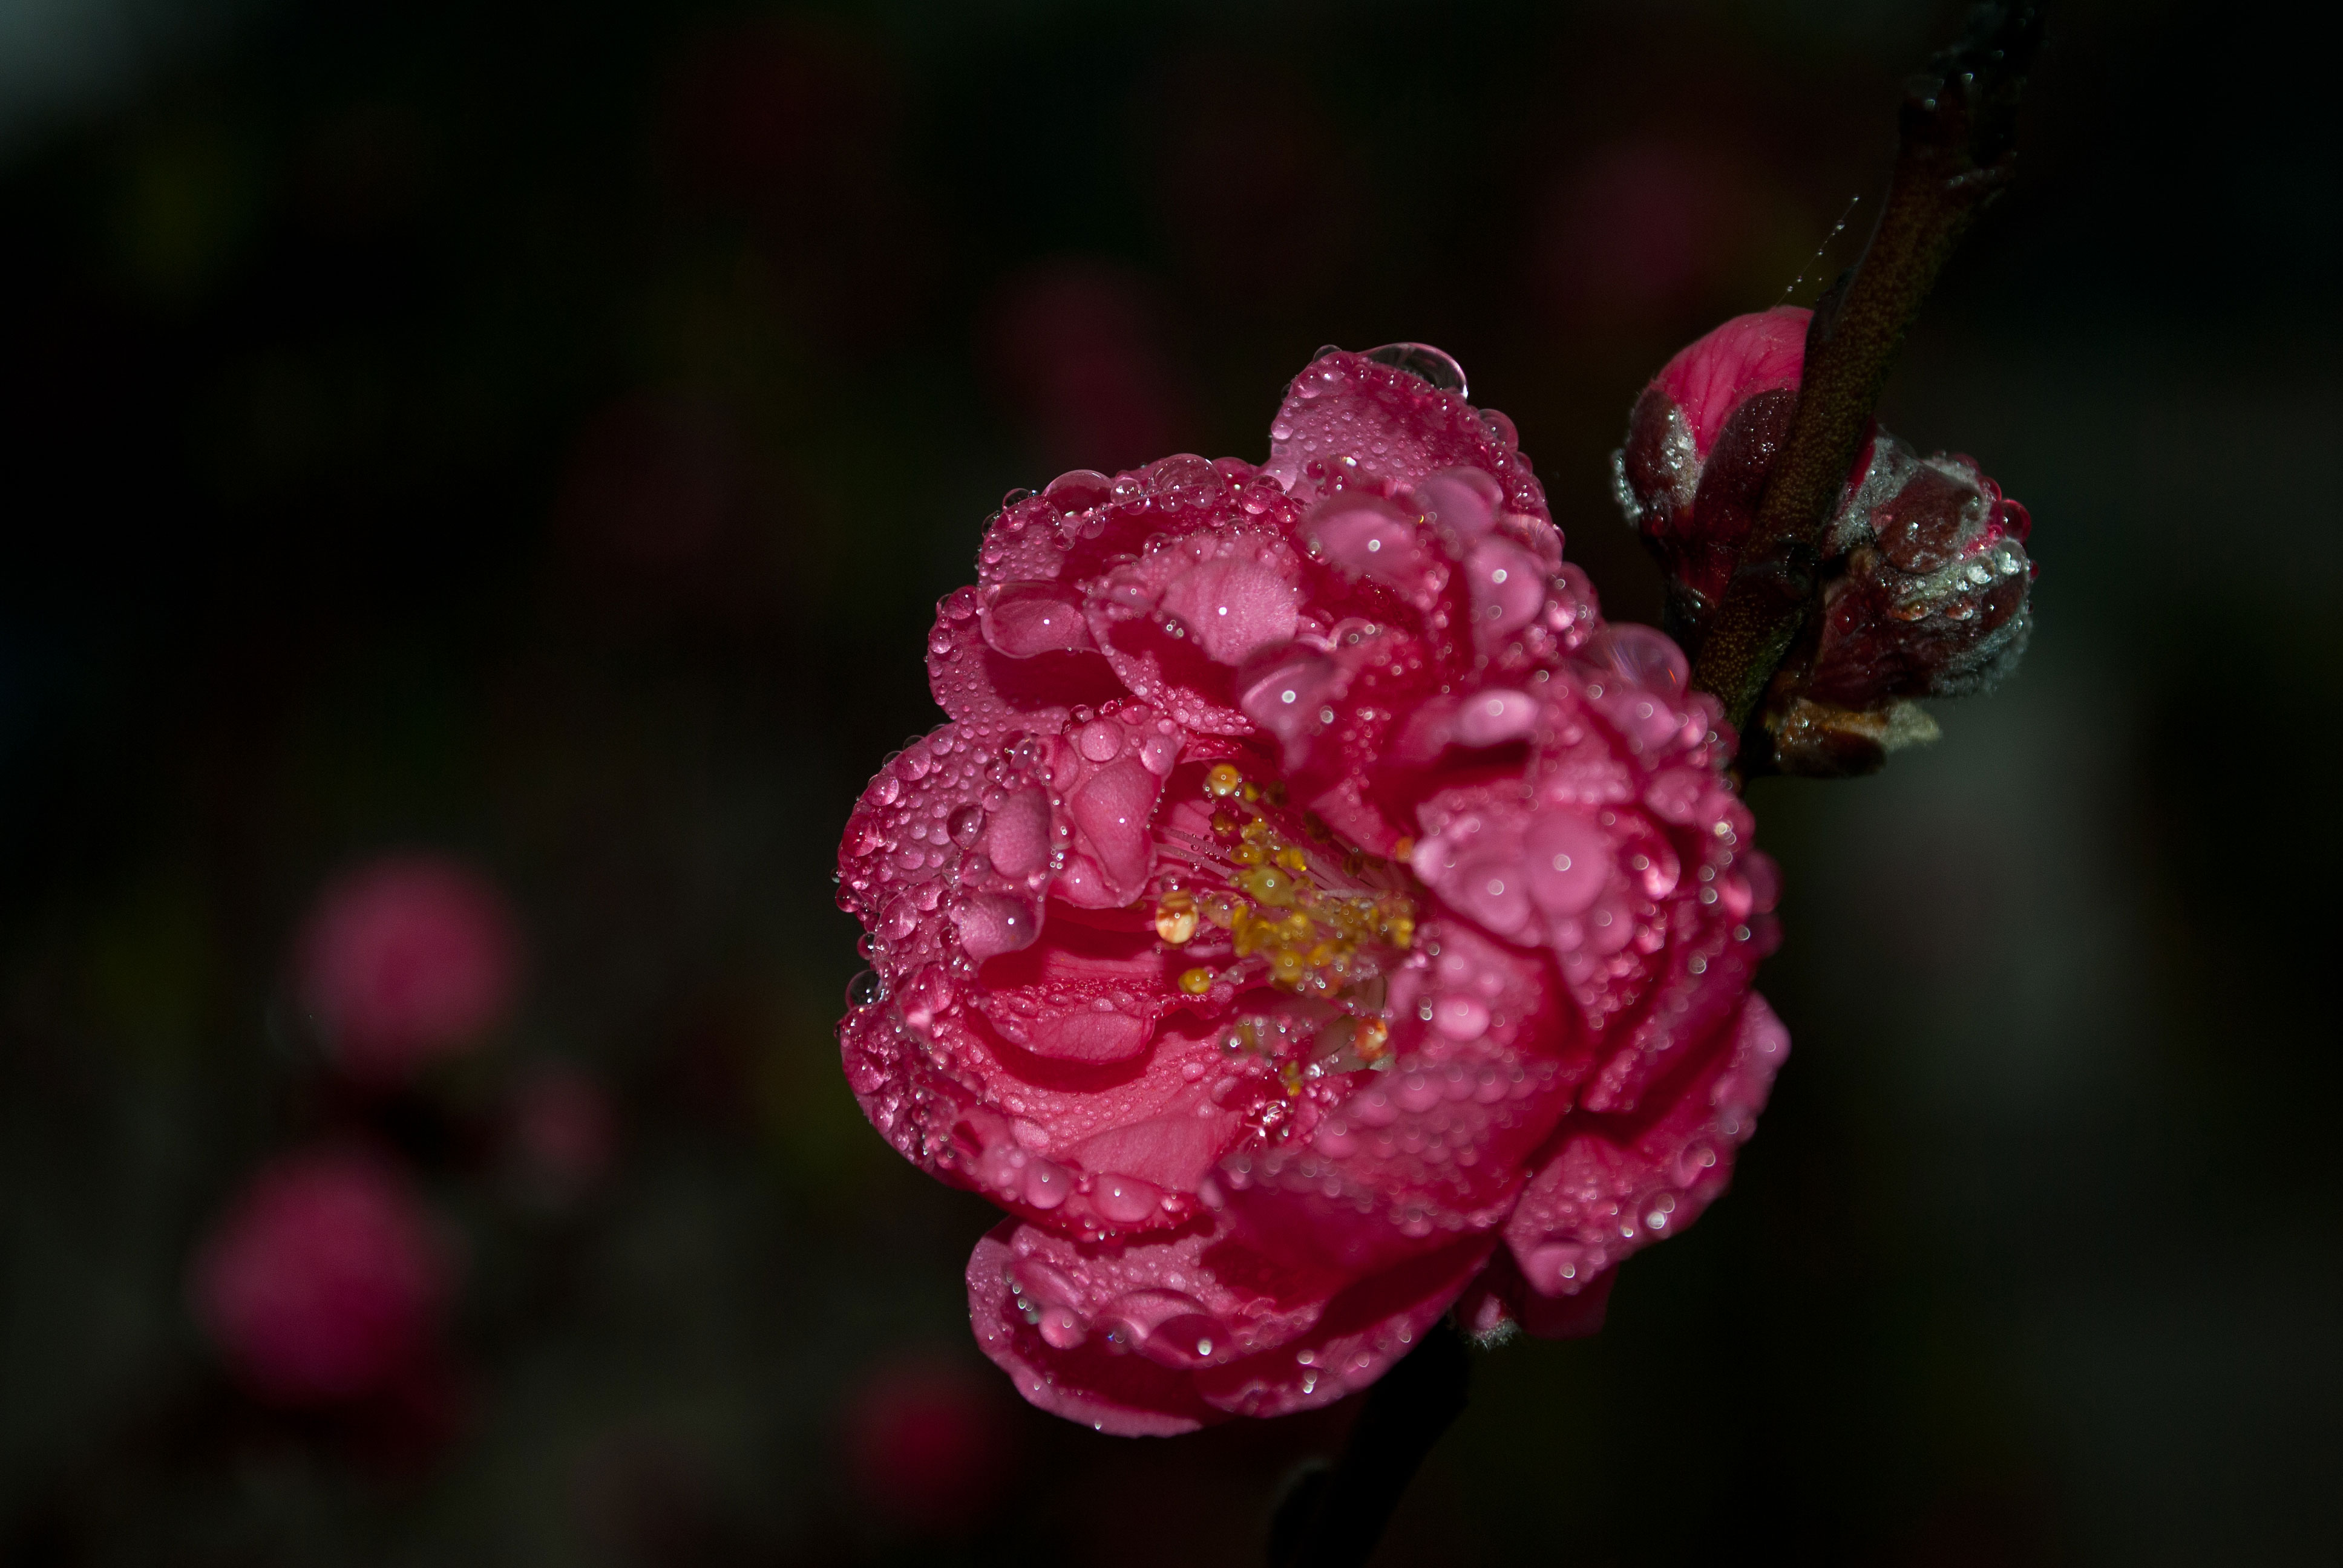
(1612, 1185)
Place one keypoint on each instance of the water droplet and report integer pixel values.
(990, 925)
(1124, 1200)
(865, 989)
(1436, 366)
(967, 825)
(1079, 490)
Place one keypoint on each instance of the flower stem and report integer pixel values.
(1333, 1518)
(1954, 150)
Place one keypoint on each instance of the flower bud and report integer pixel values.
(1701, 443)
(1924, 577)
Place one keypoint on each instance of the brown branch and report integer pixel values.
(1955, 147)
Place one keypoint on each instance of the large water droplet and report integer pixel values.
(1079, 490)
(1047, 1185)
(1436, 366)
(990, 925)
(928, 993)
(865, 989)
(1642, 655)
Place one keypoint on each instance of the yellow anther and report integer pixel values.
(1245, 929)
(1287, 967)
(1223, 780)
(1403, 849)
(1291, 858)
(1249, 793)
(1218, 908)
(1196, 982)
(1290, 1071)
(1175, 918)
(1371, 1041)
(1248, 855)
(1268, 884)
(1223, 823)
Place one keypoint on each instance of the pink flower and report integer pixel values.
(323, 1281)
(1926, 583)
(1312, 910)
(407, 960)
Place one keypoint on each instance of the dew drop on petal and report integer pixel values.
(1436, 366)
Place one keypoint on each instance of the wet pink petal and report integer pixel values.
(997, 693)
(1612, 1185)
(1151, 1339)
(1746, 357)
(1350, 421)
(1500, 1298)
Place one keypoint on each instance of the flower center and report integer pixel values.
(1273, 898)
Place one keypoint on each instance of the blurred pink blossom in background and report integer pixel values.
(322, 1283)
(407, 960)
(928, 1443)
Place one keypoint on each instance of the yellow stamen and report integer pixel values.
(1268, 884)
(1197, 981)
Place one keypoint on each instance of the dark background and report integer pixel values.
(539, 432)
